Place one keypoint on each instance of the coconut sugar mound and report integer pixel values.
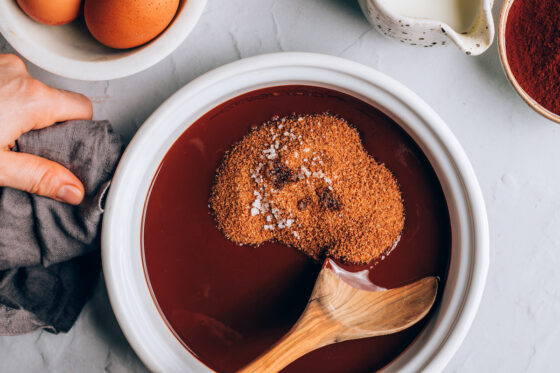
(307, 182)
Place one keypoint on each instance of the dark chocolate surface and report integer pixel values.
(227, 303)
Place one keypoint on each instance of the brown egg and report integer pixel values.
(128, 23)
(51, 12)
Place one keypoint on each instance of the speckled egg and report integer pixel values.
(51, 12)
(126, 24)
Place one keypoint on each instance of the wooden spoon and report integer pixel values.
(338, 311)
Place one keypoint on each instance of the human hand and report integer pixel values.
(27, 104)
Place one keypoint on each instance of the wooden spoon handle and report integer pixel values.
(312, 331)
(337, 312)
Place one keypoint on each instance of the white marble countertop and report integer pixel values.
(515, 153)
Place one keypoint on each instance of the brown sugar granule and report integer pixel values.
(307, 182)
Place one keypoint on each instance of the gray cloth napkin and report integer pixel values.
(49, 257)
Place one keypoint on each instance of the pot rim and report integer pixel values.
(121, 248)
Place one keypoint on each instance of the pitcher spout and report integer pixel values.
(481, 35)
(428, 32)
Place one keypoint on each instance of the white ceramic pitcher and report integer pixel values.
(429, 33)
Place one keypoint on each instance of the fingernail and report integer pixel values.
(69, 194)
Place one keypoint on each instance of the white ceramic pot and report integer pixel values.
(121, 240)
(429, 33)
(71, 51)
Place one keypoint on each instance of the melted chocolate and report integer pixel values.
(228, 304)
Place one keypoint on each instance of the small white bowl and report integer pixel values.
(71, 51)
(121, 238)
(429, 33)
(507, 69)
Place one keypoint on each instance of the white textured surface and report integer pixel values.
(514, 152)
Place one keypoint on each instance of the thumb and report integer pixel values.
(40, 176)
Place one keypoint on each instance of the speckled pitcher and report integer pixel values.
(429, 33)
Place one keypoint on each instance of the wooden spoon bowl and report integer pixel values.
(338, 311)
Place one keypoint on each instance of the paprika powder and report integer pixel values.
(533, 49)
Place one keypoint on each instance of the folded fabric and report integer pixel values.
(49, 251)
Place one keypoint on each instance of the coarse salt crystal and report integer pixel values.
(270, 152)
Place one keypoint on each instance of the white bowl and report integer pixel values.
(121, 239)
(71, 51)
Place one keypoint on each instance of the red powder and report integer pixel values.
(533, 49)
